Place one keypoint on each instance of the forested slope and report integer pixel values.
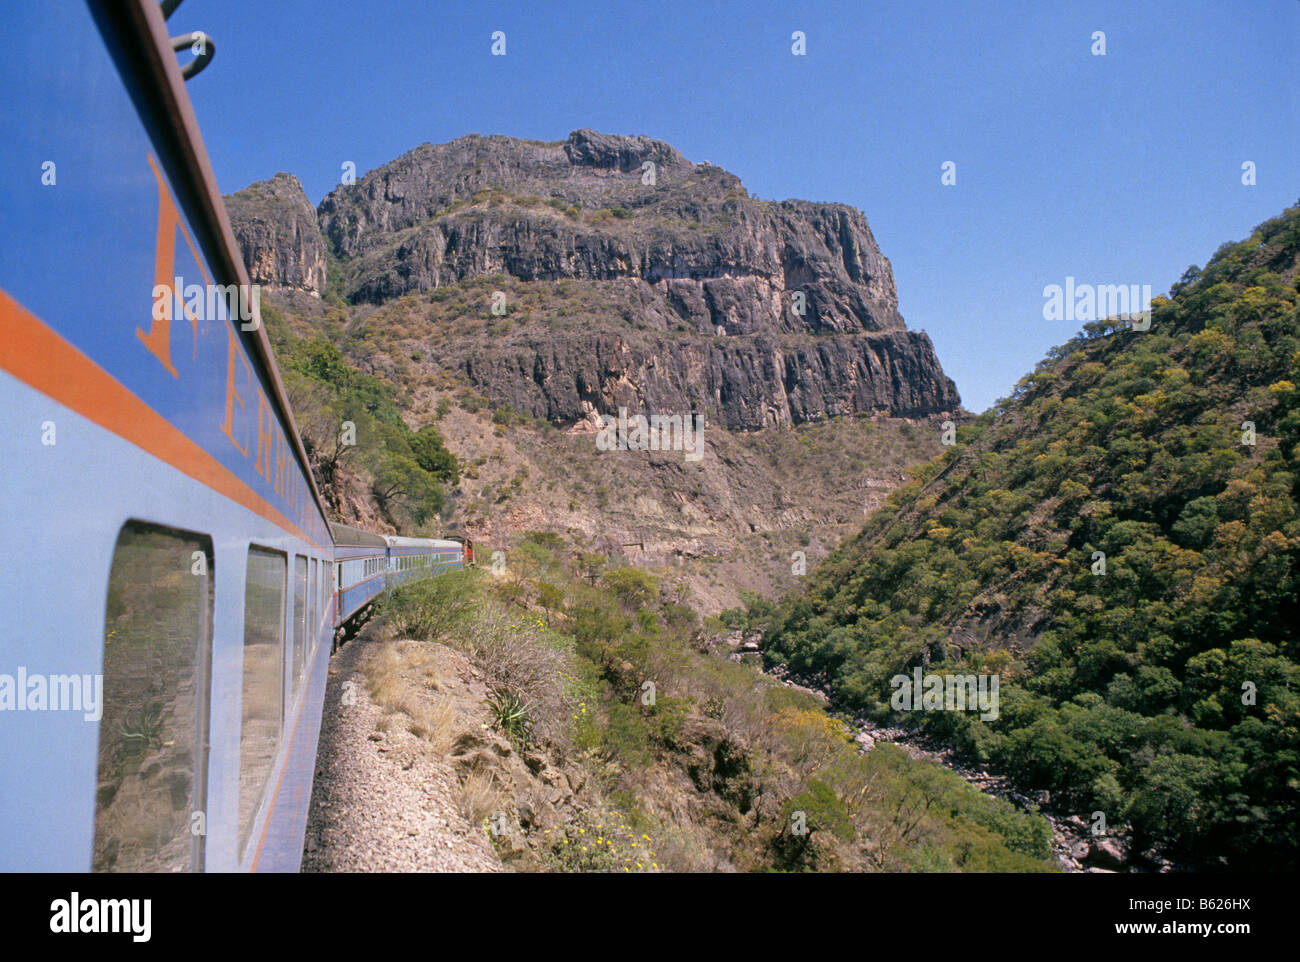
(1161, 687)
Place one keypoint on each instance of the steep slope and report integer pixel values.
(506, 293)
(1119, 542)
(523, 697)
(737, 519)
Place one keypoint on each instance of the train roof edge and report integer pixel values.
(348, 536)
(399, 541)
(137, 37)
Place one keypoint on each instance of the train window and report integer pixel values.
(153, 733)
(313, 606)
(299, 620)
(259, 735)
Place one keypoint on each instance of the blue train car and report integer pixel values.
(410, 558)
(169, 599)
(360, 569)
(163, 675)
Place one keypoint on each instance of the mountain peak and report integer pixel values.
(650, 282)
(587, 148)
(275, 225)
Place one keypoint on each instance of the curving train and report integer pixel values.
(173, 584)
(368, 563)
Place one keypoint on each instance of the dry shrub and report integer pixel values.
(685, 848)
(478, 796)
(434, 720)
(383, 673)
(519, 653)
(400, 677)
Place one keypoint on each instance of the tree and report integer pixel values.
(633, 587)
(430, 453)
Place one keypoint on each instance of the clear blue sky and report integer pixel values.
(1115, 169)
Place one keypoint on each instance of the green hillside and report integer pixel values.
(1161, 689)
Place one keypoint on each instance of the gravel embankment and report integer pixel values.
(383, 801)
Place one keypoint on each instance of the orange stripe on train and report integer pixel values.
(37, 355)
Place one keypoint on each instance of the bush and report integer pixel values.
(600, 840)
(434, 608)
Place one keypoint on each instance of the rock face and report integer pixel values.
(631, 276)
(740, 382)
(583, 210)
(276, 228)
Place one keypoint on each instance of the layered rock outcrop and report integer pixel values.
(743, 382)
(691, 295)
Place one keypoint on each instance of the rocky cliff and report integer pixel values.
(571, 278)
(276, 227)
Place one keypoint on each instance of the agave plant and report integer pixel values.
(511, 715)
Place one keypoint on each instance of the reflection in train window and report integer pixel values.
(313, 607)
(154, 728)
(259, 736)
(299, 620)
